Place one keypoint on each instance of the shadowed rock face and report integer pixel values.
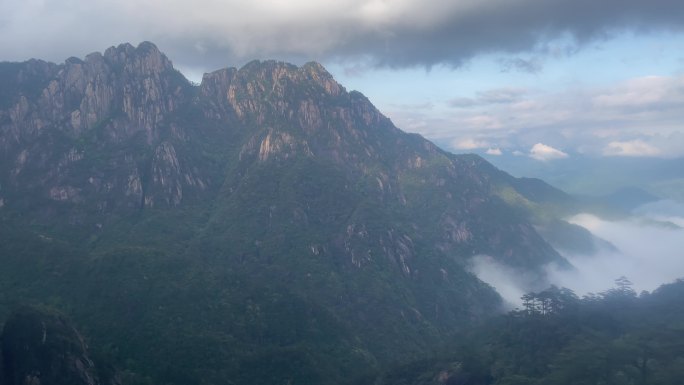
(43, 349)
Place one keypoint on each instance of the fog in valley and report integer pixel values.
(650, 247)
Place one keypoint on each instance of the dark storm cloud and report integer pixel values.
(511, 27)
(401, 33)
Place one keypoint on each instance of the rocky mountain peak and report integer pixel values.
(316, 72)
(269, 197)
(268, 89)
(145, 59)
(125, 96)
(80, 95)
(276, 73)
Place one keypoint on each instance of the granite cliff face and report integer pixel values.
(282, 193)
(134, 87)
(60, 116)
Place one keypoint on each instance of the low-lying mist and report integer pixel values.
(650, 253)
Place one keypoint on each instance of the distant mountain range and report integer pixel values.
(264, 226)
(603, 176)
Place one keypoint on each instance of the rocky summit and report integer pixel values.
(264, 226)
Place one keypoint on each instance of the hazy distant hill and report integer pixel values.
(603, 176)
(264, 226)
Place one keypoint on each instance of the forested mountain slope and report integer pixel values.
(266, 222)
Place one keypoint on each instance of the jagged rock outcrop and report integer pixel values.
(105, 108)
(81, 95)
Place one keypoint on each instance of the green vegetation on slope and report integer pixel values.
(614, 337)
(265, 226)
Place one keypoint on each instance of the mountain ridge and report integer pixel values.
(265, 193)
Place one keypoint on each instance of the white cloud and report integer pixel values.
(510, 283)
(505, 95)
(469, 144)
(647, 264)
(494, 151)
(642, 92)
(664, 211)
(631, 148)
(486, 122)
(637, 117)
(545, 153)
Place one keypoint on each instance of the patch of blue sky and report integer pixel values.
(598, 63)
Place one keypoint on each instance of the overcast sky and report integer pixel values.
(548, 79)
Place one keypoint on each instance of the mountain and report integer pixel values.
(266, 225)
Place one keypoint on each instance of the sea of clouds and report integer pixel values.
(650, 253)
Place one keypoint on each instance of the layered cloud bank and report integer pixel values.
(640, 117)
